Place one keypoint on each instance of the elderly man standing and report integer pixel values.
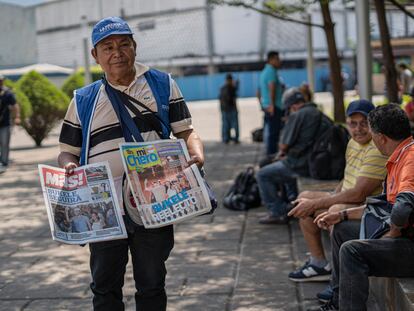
(364, 173)
(95, 123)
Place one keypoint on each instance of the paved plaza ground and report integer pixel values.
(222, 262)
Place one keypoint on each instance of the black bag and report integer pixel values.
(257, 135)
(327, 156)
(244, 193)
(376, 218)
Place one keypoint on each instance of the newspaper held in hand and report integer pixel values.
(166, 190)
(82, 207)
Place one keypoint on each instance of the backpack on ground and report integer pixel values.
(257, 135)
(327, 156)
(244, 193)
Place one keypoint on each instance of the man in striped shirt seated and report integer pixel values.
(364, 173)
(114, 49)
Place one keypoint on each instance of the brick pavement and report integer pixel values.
(221, 262)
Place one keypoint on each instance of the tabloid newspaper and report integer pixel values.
(165, 188)
(82, 207)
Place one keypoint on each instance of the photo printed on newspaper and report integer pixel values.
(166, 190)
(82, 207)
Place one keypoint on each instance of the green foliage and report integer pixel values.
(73, 82)
(77, 80)
(49, 105)
(24, 103)
(96, 72)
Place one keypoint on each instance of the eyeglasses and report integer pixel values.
(353, 124)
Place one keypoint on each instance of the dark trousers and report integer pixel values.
(229, 121)
(271, 130)
(388, 257)
(149, 249)
(355, 260)
(341, 233)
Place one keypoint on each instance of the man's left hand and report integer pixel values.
(304, 207)
(196, 160)
(17, 121)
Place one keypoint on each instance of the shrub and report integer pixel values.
(24, 103)
(73, 82)
(49, 105)
(77, 80)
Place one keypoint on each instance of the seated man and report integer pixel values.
(363, 176)
(304, 125)
(390, 256)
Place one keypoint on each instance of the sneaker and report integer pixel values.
(325, 295)
(309, 273)
(329, 306)
(3, 168)
(274, 220)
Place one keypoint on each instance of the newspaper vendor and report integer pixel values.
(91, 133)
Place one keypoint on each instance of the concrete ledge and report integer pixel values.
(393, 294)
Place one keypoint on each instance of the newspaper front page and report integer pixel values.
(82, 207)
(164, 187)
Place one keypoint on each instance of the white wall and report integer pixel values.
(17, 36)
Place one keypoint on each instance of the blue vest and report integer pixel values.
(86, 99)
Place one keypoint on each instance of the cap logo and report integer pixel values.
(110, 26)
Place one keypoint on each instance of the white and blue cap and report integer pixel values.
(292, 96)
(109, 26)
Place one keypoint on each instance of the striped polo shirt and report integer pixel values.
(106, 132)
(363, 161)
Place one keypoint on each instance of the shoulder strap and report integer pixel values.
(126, 98)
(85, 100)
(129, 128)
(160, 85)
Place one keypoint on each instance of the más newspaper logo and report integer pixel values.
(56, 179)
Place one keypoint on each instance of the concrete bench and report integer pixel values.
(393, 294)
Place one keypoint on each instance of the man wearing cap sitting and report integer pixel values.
(91, 133)
(364, 173)
(304, 125)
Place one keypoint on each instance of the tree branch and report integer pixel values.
(266, 12)
(402, 8)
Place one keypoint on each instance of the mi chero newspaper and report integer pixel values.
(166, 190)
(82, 207)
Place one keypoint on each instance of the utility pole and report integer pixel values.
(88, 77)
(309, 61)
(364, 59)
(210, 38)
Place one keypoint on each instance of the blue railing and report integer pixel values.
(207, 86)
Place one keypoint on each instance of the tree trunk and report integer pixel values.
(387, 54)
(334, 63)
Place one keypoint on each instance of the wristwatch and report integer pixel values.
(344, 215)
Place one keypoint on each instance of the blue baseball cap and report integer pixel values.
(362, 106)
(109, 26)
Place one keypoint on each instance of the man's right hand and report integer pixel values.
(270, 110)
(68, 161)
(70, 167)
